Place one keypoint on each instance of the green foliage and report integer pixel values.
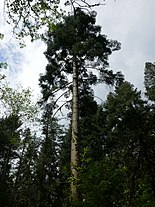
(117, 142)
(117, 168)
(91, 128)
(102, 183)
(29, 17)
(149, 76)
(9, 143)
(3, 65)
(25, 186)
(17, 101)
(1, 36)
(18, 147)
(78, 36)
(47, 165)
(130, 139)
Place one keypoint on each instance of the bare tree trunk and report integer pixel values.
(75, 134)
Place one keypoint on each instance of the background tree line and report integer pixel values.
(105, 157)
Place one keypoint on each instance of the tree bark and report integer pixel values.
(75, 135)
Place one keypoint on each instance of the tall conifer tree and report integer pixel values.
(76, 46)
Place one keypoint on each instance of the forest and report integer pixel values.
(103, 153)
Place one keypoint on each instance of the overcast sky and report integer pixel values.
(131, 22)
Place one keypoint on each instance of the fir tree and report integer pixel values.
(76, 46)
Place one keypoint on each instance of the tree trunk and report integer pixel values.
(75, 134)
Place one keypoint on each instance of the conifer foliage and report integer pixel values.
(106, 154)
(76, 47)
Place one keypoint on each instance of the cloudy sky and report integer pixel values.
(131, 22)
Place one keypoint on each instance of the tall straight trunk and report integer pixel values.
(75, 135)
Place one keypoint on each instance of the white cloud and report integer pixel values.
(133, 24)
(24, 65)
(32, 64)
(130, 22)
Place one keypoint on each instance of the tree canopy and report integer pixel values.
(30, 18)
(105, 154)
(76, 47)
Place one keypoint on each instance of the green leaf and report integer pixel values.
(3, 65)
(1, 36)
